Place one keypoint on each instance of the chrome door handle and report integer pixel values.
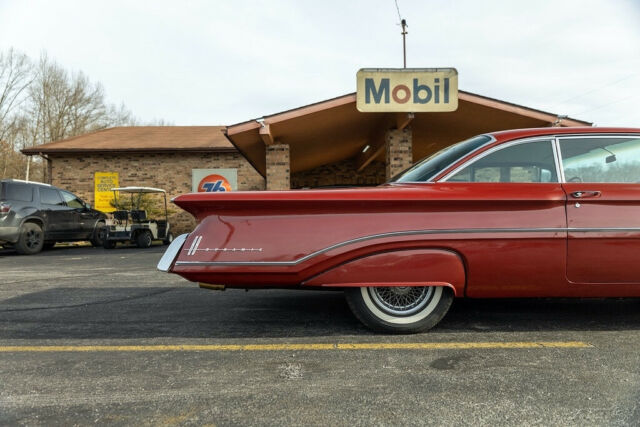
(583, 194)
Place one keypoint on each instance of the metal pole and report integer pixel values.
(404, 41)
(28, 164)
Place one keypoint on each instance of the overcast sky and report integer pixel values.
(223, 62)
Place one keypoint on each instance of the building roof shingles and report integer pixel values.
(142, 138)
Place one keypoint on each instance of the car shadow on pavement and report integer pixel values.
(80, 248)
(155, 312)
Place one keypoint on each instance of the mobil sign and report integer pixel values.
(407, 90)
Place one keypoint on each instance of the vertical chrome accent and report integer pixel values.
(195, 249)
(194, 245)
(558, 155)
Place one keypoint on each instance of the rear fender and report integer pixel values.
(409, 267)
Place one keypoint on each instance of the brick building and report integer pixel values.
(329, 143)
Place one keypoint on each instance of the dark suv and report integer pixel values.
(34, 216)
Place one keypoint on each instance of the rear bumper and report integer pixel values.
(9, 234)
(171, 253)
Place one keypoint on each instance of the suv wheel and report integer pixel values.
(31, 239)
(99, 235)
(143, 239)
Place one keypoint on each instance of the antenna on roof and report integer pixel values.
(403, 23)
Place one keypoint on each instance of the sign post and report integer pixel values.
(410, 90)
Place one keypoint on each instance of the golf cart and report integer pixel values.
(130, 222)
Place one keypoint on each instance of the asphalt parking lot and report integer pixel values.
(95, 336)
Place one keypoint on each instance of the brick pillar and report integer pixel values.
(399, 150)
(278, 167)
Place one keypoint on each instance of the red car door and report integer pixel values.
(602, 175)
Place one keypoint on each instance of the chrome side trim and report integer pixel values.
(404, 233)
(171, 253)
(558, 159)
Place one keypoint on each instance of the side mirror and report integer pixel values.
(87, 205)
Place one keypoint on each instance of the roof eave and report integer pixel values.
(37, 151)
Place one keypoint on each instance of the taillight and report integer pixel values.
(4, 208)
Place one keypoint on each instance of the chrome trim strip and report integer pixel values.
(596, 135)
(558, 158)
(603, 229)
(404, 233)
(171, 253)
(194, 245)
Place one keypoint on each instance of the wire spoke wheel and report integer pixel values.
(400, 309)
(401, 300)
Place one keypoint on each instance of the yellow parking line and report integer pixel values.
(301, 347)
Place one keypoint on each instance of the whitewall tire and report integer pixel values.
(407, 309)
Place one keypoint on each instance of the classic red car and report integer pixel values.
(551, 212)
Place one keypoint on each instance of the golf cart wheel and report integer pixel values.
(144, 239)
(168, 239)
(99, 235)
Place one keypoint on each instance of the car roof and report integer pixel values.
(26, 182)
(506, 135)
(138, 190)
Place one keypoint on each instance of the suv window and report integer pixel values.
(50, 196)
(599, 159)
(17, 192)
(71, 200)
(525, 162)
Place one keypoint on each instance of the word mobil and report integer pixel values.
(401, 94)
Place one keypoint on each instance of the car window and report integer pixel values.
(429, 167)
(17, 192)
(598, 159)
(50, 196)
(526, 162)
(71, 200)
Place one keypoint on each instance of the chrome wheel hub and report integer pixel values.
(401, 300)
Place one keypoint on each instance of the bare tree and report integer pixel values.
(43, 102)
(63, 105)
(15, 78)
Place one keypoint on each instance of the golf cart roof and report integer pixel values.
(139, 190)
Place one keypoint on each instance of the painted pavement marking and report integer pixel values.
(296, 347)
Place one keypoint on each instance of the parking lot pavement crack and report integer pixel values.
(104, 302)
(79, 276)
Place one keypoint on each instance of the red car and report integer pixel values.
(552, 212)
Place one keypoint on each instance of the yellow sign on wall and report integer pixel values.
(102, 194)
(408, 90)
